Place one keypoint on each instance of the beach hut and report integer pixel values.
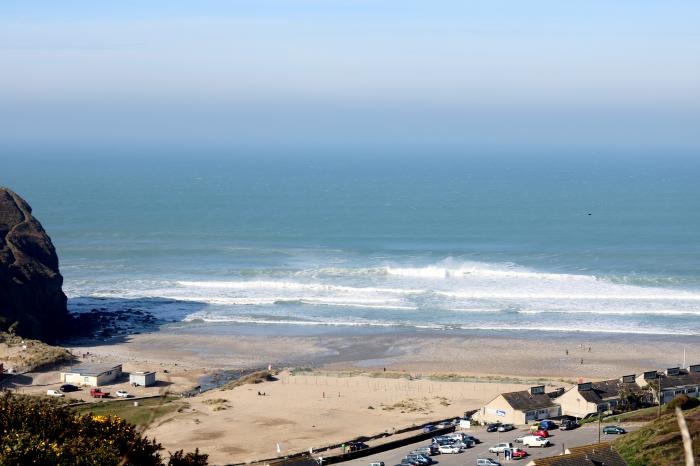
(143, 379)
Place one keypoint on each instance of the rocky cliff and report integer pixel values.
(30, 283)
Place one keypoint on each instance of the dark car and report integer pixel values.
(568, 424)
(614, 430)
(493, 427)
(429, 428)
(505, 427)
(68, 388)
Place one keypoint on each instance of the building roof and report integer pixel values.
(525, 401)
(601, 392)
(601, 454)
(681, 380)
(92, 369)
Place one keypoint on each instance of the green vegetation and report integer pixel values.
(146, 412)
(659, 442)
(41, 431)
(252, 378)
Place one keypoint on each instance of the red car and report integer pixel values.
(542, 433)
(518, 453)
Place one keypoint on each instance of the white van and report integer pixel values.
(535, 441)
(54, 393)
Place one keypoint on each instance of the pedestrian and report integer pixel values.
(581, 360)
(589, 349)
(567, 351)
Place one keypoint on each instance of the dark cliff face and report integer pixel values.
(30, 283)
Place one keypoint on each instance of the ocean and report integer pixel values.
(530, 244)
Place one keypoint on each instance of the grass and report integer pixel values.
(659, 442)
(252, 378)
(431, 377)
(146, 412)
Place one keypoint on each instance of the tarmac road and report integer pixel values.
(584, 435)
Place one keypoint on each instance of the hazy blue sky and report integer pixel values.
(479, 74)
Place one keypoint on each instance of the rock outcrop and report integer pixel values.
(30, 283)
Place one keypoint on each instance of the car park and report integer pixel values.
(500, 447)
(505, 427)
(614, 430)
(450, 449)
(487, 462)
(55, 393)
(68, 388)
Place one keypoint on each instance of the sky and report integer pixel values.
(620, 75)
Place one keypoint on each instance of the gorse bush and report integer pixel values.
(38, 431)
(683, 401)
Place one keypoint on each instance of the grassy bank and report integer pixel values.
(147, 411)
(659, 442)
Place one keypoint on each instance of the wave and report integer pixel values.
(196, 318)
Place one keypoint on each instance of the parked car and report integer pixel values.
(499, 447)
(427, 451)
(444, 425)
(449, 449)
(68, 388)
(517, 453)
(535, 441)
(492, 427)
(568, 424)
(419, 459)
(546, 424)
(429, 428)
(376, 463)
(123, 394)
(614, 430)
(54, 393)
(542, 433)
(505, 427)
(97, 393)
(487, 462)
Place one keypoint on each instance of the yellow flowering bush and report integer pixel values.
(40, 431)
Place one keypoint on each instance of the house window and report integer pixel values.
(678, 392)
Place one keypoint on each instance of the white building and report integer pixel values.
(520, 407)
(92, 375)
(142, 379)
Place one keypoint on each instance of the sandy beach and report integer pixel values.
(336, 385)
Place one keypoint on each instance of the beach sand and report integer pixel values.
(332, 403)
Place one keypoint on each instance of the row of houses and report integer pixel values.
(588, 398)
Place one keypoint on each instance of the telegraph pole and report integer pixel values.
(600, 416)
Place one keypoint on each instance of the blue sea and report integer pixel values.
(530, 244)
